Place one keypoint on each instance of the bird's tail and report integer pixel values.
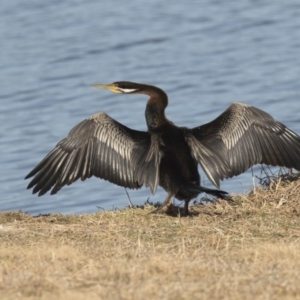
(200, 189)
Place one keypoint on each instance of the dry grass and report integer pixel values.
(245, 249)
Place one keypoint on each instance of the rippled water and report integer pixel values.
(204, 54)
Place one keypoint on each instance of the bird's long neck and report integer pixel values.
(155, 109)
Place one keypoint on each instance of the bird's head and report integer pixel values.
(124, 87)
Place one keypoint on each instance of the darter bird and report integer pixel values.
(166, 155)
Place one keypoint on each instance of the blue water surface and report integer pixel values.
(204, 54)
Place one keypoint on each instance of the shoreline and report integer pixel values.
(245, 248)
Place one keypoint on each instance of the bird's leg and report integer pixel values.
(166, 206)
(186, 207)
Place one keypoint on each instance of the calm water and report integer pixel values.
(204, 54)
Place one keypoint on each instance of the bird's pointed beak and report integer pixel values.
(112, 87)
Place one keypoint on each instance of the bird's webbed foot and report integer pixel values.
(166, 207)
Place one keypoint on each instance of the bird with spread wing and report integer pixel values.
(166, 155)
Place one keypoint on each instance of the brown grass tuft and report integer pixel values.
(246, 248)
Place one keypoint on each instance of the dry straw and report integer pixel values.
(246, 248)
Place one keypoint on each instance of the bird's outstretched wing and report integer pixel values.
(100, 146)
(239, 138)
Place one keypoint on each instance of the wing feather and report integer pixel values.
(100, 146)
(239, 138)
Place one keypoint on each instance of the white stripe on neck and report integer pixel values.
(127, 90)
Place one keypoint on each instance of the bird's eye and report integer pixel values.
(124, 87)
(119, 85)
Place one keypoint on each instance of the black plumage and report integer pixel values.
(166, 155)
